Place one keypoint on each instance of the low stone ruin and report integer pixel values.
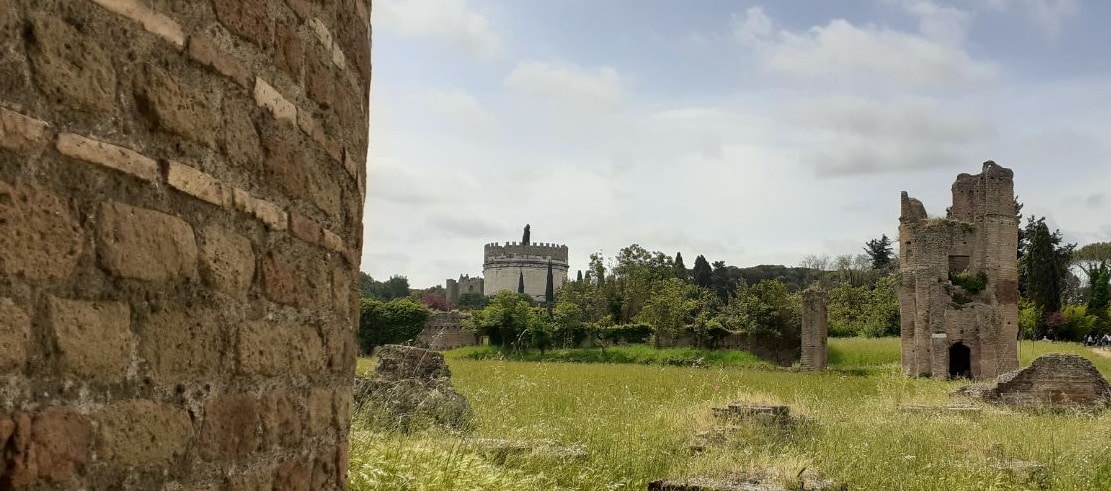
(1054, 381)
(411, 388)
(739, 411)
(808, 480)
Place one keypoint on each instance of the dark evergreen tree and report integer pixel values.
(1043, 265)
(580, 278)
(680, 268)
(521, 282)
(702, 274)
(879, 250)
(527, 236)
(1099, 290)
(549, 288)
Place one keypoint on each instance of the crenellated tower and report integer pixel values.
(504, 264)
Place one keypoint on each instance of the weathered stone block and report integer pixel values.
(143, 433)
(40, 240)
(183, 345)
(292, 475)
(265, 211)
(281, 420)
(320, 75)
(183, 111)
(287, 165)
(252, 480)
(152, 21)
(15, 332)
(19, 132)
(227, 261)
(205, 51)
(1053, 381)
(294, 280)
(144, 244)
(266, 96)
(248, 18)
(324, 467)
(107, 155)
(197, 184)
(53, 446)
(305, 228)
(229, 430)
(70, 66)
(94, 338)
(320, 412)
(241, 141)
(290, 56)
(269, 350)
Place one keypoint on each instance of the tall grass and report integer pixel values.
(637, 423)
(635, 353)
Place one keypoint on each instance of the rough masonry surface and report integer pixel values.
(181, 195)
(958, 291)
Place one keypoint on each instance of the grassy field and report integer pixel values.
(637, 423)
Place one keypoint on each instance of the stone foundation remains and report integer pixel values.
(958, 295)
(1054, 381)
(181, 195)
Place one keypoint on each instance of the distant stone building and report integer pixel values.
(465, 284)
(958, 296)
(506, 266)
(444, 330)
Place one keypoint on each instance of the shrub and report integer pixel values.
(394, 322)
(971, 282)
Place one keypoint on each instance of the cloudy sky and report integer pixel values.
(750, 132)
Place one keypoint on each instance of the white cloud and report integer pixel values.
(1049, 15)
(941, 23)
(448, 20)
(844, 56)
(455, 106)
(567, 83)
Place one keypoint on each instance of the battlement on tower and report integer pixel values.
(496, 250)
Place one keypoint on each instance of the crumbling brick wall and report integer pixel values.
(941, 321)
(181, 189)
(815, 330)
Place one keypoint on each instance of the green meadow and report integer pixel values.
(635, 420)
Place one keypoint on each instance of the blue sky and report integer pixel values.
(750, 132)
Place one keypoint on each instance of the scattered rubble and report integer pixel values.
(1055, 381)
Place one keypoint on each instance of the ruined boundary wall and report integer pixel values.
(948, 330)
(181, 189)
(815, 330)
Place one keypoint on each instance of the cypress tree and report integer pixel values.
(702, 273)
(680, 268)
(521, 282)
(580, 279)
(1044, 265)
(549, 288)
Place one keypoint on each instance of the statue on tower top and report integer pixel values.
(528, 233)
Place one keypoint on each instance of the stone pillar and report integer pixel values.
(815, 330)
(181, 195)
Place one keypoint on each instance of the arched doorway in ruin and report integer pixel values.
(960, 361)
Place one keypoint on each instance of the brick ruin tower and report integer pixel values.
(181, 196)
(958, 295)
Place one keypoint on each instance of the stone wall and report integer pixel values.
(815, 330)
(444, 330)
(946, 329)
(181, 190)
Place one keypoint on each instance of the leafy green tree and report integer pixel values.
(668, 310)
(472, 301)
(509, 320)
(393, 322)
(1043, 266)
(702, 274)
(880, 252)
(864, 311)
(1095, 261)
(396, 287)
(765, 310)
